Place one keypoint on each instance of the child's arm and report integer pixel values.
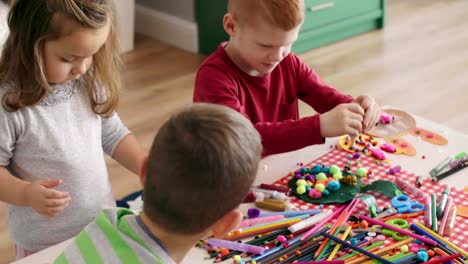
(121, 145)
(38, 194)
(130, 154)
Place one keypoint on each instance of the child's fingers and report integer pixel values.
(52, 211)
(355, 125)
(57, 202)
(355, 108)
(54, 194)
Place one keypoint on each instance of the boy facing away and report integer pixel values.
(255, 74)
(202, 164)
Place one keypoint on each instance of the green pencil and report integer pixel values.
(434, 213)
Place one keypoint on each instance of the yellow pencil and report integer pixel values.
(338, 245)
(434, 234)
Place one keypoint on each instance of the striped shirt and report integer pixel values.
(117, 236)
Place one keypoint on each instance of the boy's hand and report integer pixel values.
(371, 109)
(43, 199)
(343, 119)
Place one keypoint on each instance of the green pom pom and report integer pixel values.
(361, 172)
(334, 170)
(321, 177)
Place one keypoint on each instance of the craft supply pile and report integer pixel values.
(352, 205)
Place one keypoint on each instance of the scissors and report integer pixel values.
(403, 204)
(400, 223)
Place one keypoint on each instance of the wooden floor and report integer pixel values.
(419, 63)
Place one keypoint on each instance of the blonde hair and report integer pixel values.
(31, 24)
(286, 14)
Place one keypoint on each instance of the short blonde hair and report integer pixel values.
(286, 14)
(31, 24)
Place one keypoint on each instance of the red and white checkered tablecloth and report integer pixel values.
(339, 158)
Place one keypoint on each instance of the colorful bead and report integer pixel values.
(404, 249)
(281, 239)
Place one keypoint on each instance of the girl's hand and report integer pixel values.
(372, 111)
(41, 196)
(343, 119)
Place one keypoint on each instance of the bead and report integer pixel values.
(353, 241)
(372, 234)
(236, 258)
(430, 253)
(364, 224)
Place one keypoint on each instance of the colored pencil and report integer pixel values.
(338, 246)
(343, 218)
(382, 250)
(319, 225)
(443, 259)
(459, 250)
(399, 230)
(337, 240)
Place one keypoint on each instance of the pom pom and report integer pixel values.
(301, 182)
(334, 170)
(333, 185)
(404, 249)
(315, 194)
(301, 189)
(338, 176)
(422, 256)
(321, 177)
(320, 187)
(281, 238)
(361, 172)
(315, 169)
(325, 193)
(253, 213)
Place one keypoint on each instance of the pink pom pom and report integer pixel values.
(315, 194)
(281, 239)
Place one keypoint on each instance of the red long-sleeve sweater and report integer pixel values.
(270, 102)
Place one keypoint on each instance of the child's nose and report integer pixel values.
(277, 55)
(80, 69)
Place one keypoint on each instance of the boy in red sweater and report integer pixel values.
(255, 74)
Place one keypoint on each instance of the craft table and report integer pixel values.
(275, 167)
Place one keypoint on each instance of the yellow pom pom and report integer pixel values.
(237, 258)
(404, 248)
(301, 182)
(320, 187)
(301, 189)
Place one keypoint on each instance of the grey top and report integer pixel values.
(117, 236)
(59, 138)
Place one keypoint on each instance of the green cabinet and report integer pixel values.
(325, 22)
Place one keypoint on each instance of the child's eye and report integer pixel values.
(65, 59)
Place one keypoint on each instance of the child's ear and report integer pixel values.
(230, 24)
(143, 171)
(227, 223)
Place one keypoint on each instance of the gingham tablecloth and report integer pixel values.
(339, 158)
